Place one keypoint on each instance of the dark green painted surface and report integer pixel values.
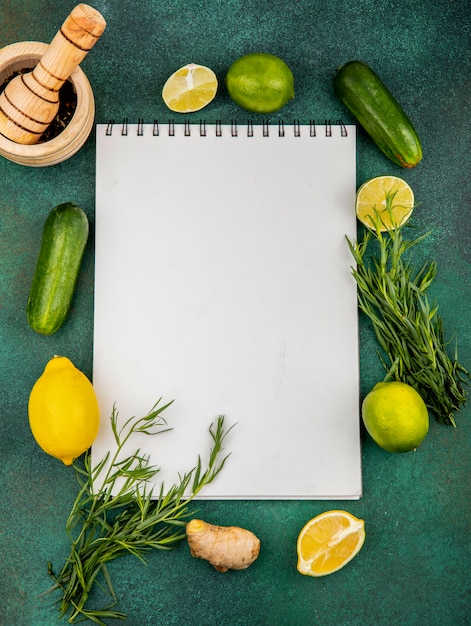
(415, 565)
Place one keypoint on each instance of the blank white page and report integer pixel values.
(223, 283)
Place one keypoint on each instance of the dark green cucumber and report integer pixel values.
(368, 99)
(63, 242)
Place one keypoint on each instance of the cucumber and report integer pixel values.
(63, 242)
(367, 98)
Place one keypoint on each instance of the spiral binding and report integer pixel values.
(234, 128)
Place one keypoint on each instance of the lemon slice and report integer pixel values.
(384, 203)
(328, 542)
(190, 88)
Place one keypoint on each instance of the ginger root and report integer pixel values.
(225, 547)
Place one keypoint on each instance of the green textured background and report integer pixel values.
(415, 566)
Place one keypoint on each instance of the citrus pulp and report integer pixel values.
(328, 542)
(190, 88)
(384, 202)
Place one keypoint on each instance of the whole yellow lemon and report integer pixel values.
(395, 416)
(63, 410)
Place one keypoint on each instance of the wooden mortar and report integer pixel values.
(30, 101)
(23, 56)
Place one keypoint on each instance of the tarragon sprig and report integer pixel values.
(393, 294)
(123, 516)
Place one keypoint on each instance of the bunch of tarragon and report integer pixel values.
(393, 294)
(124, 516)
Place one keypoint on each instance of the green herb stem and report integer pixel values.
(123, 516)
(393, 294)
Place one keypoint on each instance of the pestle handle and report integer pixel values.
(77, 36)
(29, 103)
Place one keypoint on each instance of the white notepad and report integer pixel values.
(223, 283)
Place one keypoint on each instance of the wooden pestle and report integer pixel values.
(30, 101)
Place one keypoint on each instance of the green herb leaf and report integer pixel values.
(122, 516)
(409, 330)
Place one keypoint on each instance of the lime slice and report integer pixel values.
(190, 88)
(384, 203)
